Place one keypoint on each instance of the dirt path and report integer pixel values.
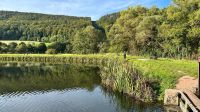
(187, 83)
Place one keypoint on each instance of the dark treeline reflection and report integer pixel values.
(128, 104)
(32, 77)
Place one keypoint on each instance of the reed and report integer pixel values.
(121, 77)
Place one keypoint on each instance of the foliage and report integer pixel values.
(21, 48)
(31, 48)
(58, 46)
(107, 21)
(170, 32)
(51, 51)
(3, 47)
(12, 46)
(86, 41)
(39, 27)
(41, 48)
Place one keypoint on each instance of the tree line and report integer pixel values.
(173, 31)
(39, 27)
(170, 32)
(28, 48)
(85, 41)
(77, 33)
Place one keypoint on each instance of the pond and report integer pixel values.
(37, 87)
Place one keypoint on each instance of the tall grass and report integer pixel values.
(120, 76)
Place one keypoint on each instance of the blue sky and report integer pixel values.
(88, 8)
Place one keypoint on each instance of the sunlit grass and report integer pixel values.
(166, 71)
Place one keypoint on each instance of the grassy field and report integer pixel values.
(165, 71)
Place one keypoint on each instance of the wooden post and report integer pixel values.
(124, 54)
(199, 77)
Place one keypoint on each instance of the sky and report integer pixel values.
(84, 8)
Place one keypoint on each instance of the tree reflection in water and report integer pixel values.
(75, 83)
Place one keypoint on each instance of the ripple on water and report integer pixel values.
(39, 101)
(74, 100)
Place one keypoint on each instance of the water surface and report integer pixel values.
(27, 87)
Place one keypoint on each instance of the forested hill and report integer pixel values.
(107, 21)
(14, 15)
(170, 32)
(39, 27)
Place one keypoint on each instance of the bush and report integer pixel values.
(31, 48)
(21, 48)
(41, 48)
(58, 46)
(12, 46)
(51, 51)
(3, 48)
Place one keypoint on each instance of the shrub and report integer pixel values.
(51, 51)
(41, 48)
(12, 46)
(58, 46)
(31, 48)
(21, 48)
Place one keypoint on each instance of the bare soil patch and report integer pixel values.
(187, 83)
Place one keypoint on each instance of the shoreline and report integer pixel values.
(158, 74)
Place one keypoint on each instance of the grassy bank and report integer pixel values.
(165, 71)
(161, 74)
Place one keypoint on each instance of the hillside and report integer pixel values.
(170, 32)
(107, 21)
(39, 27)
